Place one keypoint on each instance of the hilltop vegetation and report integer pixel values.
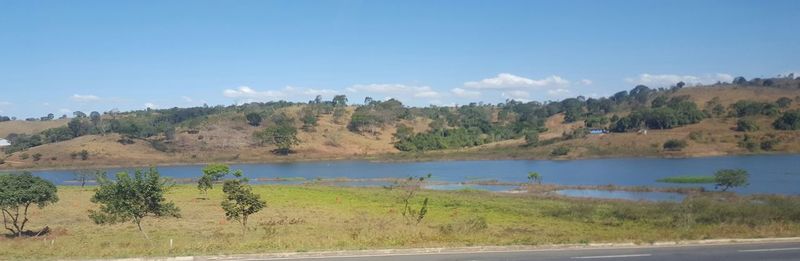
(746, 116)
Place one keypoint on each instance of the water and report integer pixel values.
(627, 195)
(778, 174)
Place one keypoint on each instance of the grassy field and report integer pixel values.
(307, 218)
(688, 180)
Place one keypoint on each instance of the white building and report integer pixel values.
(4, 142)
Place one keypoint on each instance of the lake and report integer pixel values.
(778, 174)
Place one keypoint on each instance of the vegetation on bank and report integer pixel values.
(688, 180)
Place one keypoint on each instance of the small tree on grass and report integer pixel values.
(534, 177)
(83, 176)
(211, 173)
(132, 199)
(674, 145)
(410, 187)
(18, 192)
(730, 178)
(240, 202)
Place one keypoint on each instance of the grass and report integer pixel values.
(688, 179)
(313, 217)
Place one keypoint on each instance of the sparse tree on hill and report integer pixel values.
(131, 199)
(283, 136)
(18, 193)
(254, 119)
(340, 100)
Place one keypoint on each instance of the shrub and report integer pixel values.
(674, 145)
(37, 156)
(560, 151)
(254, 119)
(24, 156)
(84, 154)
(790, 120)
(746, 125)
(730, 178)
(531, 138)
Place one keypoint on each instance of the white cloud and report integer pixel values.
(248, 93)
(396, 90)
(586, 82)
(64, 111)
(84, 98)
(516, 95)
(509, 81)
(187, 99)
(150, 105)
(558, 92)
(462, 93)
(5, 103)
(323, 92)
(665, 80)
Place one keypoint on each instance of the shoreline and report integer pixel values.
(388, 158)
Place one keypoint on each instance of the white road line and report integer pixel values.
(770, 249)
(615, 256)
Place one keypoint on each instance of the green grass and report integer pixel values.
(688, 179)
(314, 217)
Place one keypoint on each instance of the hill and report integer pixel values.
(387, 130)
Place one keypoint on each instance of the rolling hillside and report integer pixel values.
(227, 137)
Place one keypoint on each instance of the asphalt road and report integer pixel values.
(726, 252)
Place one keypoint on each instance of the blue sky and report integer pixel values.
(62, 56)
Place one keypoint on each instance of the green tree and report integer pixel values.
(37, 156)
(531, 138)
(674, 145)
(534, 177)
(283, 136)
(212, 173)
(790, 120)
(240, 202)
(131, 199)
(18, 192)
(783, 102)
(746, 125)
(730, 178)
(254, 119)
(340, 100)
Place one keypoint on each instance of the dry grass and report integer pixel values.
(305, 218)
(28, 127)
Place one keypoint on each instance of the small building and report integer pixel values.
(598, 131)
(4, 142)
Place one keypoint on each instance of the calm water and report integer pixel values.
(627, 195)
(768, 174)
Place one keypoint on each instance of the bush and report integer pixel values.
(790, 120)
(746, 125)
(37, 156)
(730, 178)
(674, 145)
(531, 138)
(84, 154)
(24, 156)
(560, 151)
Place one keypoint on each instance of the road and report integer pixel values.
(724, 252)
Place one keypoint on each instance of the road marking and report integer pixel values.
(615, 256)
(770, 249)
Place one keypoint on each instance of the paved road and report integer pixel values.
(727, 252)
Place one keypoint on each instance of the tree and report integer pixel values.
(531, 138)
(340, 100)
(740, 80)
(730, 178)
(212, 173)
(37, 156)
(283, 136)
(534, 177)
(746, 125)
(368, 100)
(674, 145)
(79, 114)
(790, 120)
(783, 102)
(240, 202)
(18, 192)
(254, 119)
(680, 84)
(85, 175)
(77, 127)
(131, 199)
